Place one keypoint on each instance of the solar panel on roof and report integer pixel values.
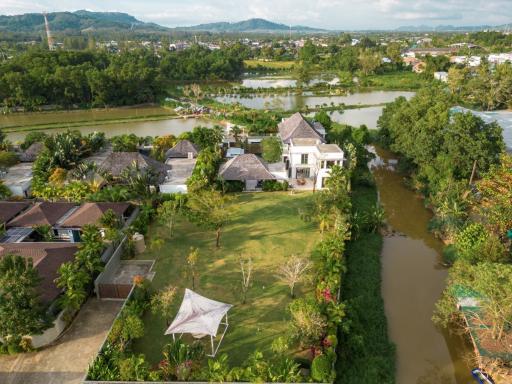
(15, 235)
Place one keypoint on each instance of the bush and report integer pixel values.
(33, 137)
(233, 186)
(321, 369)
(274, 185)
(8, 159)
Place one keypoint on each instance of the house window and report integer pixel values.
(330, 164)
(304, 158)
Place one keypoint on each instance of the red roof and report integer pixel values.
(44, 213)
(91, 213)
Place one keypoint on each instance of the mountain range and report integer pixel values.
(251, 25)
(74, 22)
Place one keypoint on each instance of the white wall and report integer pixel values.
(173, 188)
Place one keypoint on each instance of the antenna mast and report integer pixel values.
(51, 45)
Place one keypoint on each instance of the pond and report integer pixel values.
(359, 116)
(413, 279)
(294, 101)
(283, 82)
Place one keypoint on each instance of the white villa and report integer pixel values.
(305, 154)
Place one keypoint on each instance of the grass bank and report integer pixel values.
(76, 124)
(257, 64)
(395, 81)
(265, 227)
(366, 354)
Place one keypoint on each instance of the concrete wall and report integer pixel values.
(51, 334)
(111, 267)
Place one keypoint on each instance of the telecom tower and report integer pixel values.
(51, 45)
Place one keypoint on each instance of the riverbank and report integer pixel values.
(366, 354)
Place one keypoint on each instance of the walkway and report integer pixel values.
(67, 360)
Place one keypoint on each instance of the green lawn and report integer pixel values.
(266, 227)
(269, 64)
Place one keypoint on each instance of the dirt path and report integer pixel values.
(67, 360)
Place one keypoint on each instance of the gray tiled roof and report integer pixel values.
(296, 127)
(182, 149)
(117, 162)
(245, 167)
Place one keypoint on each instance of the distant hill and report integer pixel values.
(75, 22)
(452, 28)
(251, 25)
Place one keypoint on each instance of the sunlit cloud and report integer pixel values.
(330, 14)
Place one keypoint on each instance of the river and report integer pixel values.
(297, 101)
(412, 281)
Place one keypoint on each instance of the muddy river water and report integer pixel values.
(412, 281)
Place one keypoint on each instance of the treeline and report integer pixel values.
(98, 79)
(487, 88)
(458, 162)
(438, 149)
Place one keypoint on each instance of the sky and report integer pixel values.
(328, 14)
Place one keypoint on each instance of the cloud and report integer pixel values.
(333, 14)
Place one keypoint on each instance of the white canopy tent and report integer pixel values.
(200, 317)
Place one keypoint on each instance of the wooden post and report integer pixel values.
(472, 173)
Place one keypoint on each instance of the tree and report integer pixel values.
(303, 73)
(192, 260)
(272, 149)
(394, 53)
(369, 61)
(292, 272)
(168, 211)
(21, 312)
(323, 118)
(246, 268)
(162, 302)
(74, 281)
(88, 256)
(161, 145)
(307, 322)
(211, 210)
(236, 132)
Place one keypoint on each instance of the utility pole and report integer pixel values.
(51, 45)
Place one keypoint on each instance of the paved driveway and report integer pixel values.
(67, 360)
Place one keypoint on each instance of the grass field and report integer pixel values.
(269, 64)
(398, 81)
(266, 227)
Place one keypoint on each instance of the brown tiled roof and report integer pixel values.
(117, 162)
(182, 149)
(9, 209)
(91, 213)
(296, 127)
(47, 258)
(43, 213)
(245, 167)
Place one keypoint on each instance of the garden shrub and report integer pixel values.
(8, 159)
(321, 368)
(230, 186)
(274, 185)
